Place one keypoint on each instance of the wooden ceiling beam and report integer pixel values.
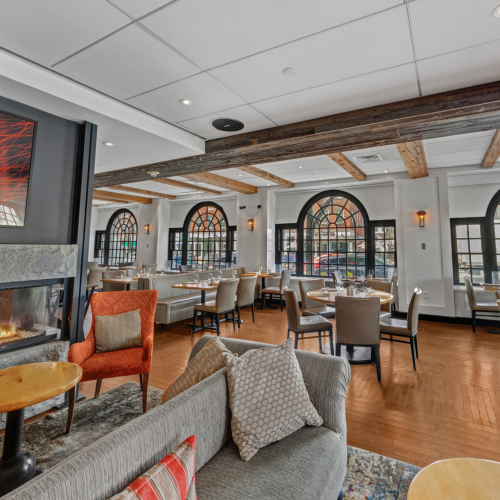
(223, 182)
(143, 191)
(413, 155)
(185, 185)
(121, 197)
(258, 172)
(473, 109)
(103, 198)
(493, 153)
(342, 161)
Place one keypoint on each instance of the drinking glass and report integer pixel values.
(138, 275)
(234, 273)
(123, 273)
(268, 270)
(219, 274)
(162, 270)
(261, 269)
(196, 278)
(210, 276)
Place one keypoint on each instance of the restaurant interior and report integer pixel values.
(245, 254)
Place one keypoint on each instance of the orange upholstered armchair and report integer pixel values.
(134, 361)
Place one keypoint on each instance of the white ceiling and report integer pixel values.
(228, 57)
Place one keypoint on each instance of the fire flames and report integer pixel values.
(11, 333)
(7, 332)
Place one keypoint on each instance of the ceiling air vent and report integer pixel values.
(368, 158)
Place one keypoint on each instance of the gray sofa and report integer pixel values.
(310, 464)
(176, 304)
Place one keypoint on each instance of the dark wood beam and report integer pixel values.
(493, 153)
(258, 172)
(413, 155)
(473, 109)
(342, 161)
(143, 191)
(185, 185)
(223, 182)
(109, 195)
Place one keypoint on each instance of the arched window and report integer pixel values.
(121, 238)
(208, 239)
(334, 237)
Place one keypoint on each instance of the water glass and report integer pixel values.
(162, 270)
(196, 278)
(219, 274)
(123, 273)
(261, 268)
(234, 273)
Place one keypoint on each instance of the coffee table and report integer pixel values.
(355, 355)
(22, 386)
(457, 479)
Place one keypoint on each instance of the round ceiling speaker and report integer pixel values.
(227, 125)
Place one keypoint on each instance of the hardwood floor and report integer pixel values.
(449, 407)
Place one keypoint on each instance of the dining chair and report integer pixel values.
(312, 307)
(382, 286)
(185, 268)
(395, 300)
(224, 303)
(407, 328)
(113, 287)
(277, 290)
(305, 324)
(95, 277)
(245, 296)
(357, 324)
(93, 265)
(478, 307)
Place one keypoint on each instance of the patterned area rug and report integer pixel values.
(369, 476)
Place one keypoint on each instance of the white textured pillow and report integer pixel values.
(267, 397)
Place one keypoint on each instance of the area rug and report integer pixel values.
(369, 476)
(47, 440)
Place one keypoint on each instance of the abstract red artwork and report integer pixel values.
(16, 149)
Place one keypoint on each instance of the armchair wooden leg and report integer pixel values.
(288, 334)
(239, 317)
(296, 340)
(338, 348)
(412, 344)
(281, 302)
(97, 388)
(253, 313)
(234, 322)
(217, 322)
(71, 408)
(416, 346)
(140, 380)
(377, 360)
(330, 335)
(145, 380)
(319, 340)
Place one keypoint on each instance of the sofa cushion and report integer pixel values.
(118, 331)
(172, 478)
(181, 302)
(267, 397)
(304, 465)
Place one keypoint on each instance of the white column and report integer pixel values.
(147, 243)
(250, 242)
(163, 230)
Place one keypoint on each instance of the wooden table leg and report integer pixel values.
(71, 408)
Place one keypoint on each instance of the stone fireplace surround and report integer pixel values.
(19, 263)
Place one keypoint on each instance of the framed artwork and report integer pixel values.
(16, 152)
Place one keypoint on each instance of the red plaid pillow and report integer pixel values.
(172, 478)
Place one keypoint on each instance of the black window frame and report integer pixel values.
(100, 246)
(383, 223)
(278, 252)
(175, 263)
(109, 241)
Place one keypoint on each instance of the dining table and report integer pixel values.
(128, 280)
(355, 355)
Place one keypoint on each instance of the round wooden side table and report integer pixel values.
(22, 386)
(457, 479)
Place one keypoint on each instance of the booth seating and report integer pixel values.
(176, 304)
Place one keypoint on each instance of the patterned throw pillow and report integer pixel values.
(119, 331)
(268, 397)
(209, 360)
(172, 478)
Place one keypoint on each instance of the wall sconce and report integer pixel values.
(146, 228)
(421, 218)
(250, 224)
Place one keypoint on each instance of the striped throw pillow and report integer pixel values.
(172, 478)
(118, 331)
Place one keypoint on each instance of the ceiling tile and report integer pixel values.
(135, 8)
(463, 68)
(447, 25)
(128, 63)
(206, 93)
(371, 44)
(251, 118)
(390, 85)
(51, 30)
(459, 143)
(217, 32)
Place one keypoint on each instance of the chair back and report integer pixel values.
(246, 290)
(357, 320)
(413, 309)
(226, 293)
(471, 294)
(292, 309)
(308, 286)
(285, 279)
(338, 277)
(93, 265)
(150, 268)
(184, 268)
(381, 286)
(132, 272)
(95, 277)
(125, 264)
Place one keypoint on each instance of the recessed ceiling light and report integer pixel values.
(186, 102)
(496, 12)
(153, 173)
(289, 71)
(268, 184)
(239, 175)
(386, 171)
(299, 167)
(109, 143)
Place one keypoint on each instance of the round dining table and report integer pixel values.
(355, 355)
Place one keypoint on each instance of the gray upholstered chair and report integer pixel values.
(245, 296)
(132, 272)
(277, 290)
(305, 324)
(313, 307)
(185, 268)
(478, 307)
(93, 265)
(338, 277)
(224, 303)
(407, 328)
(113, 287)
(357, 324)
(382, 286)
(95, 277)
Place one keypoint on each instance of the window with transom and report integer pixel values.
(121, 238)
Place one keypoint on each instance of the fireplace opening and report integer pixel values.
(30, 315)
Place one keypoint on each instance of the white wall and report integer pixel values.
(179, 210)
(471, 201)
(377, 199)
